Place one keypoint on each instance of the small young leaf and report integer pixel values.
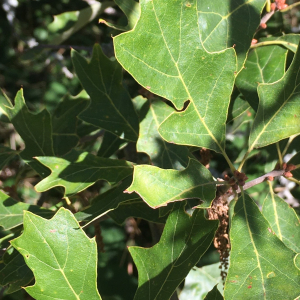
(78, 170)
(171, 185)
(62, 258)
(261, 266)
(278, 114)
(111, 107)
(184, 240)
(283, 221)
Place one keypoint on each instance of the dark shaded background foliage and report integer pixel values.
(43, 75)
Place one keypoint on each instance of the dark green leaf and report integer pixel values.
(111, 107)
(110, 144)
(106, 202)
(11, 211)
(261, 266)
(6, 154)
(283, 221)
(263, 65)
(78, 170)
(14, 272)
(278, 114)
(64, 123)
(35, 130)
(214, 294)
(184, 240)
(136, 208)
(61, 256)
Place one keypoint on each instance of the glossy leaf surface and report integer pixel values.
(278, 114)
(184, 240)
(78, 170)
(261, 266)
(111, 107)
(164, 53)
(171, 185)
(283, 221)
(228, 24)
(58, 249)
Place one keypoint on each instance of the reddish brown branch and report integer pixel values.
(274, 173)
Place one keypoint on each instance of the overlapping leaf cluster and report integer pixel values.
(203, 84)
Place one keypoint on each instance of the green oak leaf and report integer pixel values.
(64, 122)
(214, 294)
(6, 154)
(225, 24)
(136, 208)
(61, 256)
(110, 144)
(34, 129)
(283, 221)
(11, 211)
(78, 170)
(14, 272)
(261, 266)
(158, 187)
(106, 202)
(278, 114)
(200, 281)
(263, 65)
(238, 106)
(111, 107)
(161, 153)
(131, 9)
(164, 53)
(162, 267)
